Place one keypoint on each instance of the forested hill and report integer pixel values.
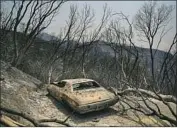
(100, 48)
(98, 59)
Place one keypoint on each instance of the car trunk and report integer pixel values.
(91, 96)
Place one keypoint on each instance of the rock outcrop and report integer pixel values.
(24, 93)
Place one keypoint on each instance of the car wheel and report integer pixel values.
(66, 104)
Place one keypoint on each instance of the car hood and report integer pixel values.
(92, 96)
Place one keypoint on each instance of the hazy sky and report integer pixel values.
(127, 7)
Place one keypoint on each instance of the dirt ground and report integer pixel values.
(112, 116)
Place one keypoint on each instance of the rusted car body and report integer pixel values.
(82, 95)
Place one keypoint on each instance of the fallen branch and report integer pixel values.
(167, 98)
(153, 111)
(10, 122)
(54, 120)
(32, 120)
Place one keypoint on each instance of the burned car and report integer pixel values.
(82, 95)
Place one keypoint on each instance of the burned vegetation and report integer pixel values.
(100, 65)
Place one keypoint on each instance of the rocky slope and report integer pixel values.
(24, 93)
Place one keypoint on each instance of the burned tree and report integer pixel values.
(149, 21)
(40, 16)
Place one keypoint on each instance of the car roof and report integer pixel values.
(74, 81)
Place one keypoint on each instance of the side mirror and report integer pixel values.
(59, 84)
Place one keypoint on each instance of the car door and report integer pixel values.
(57, 89)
